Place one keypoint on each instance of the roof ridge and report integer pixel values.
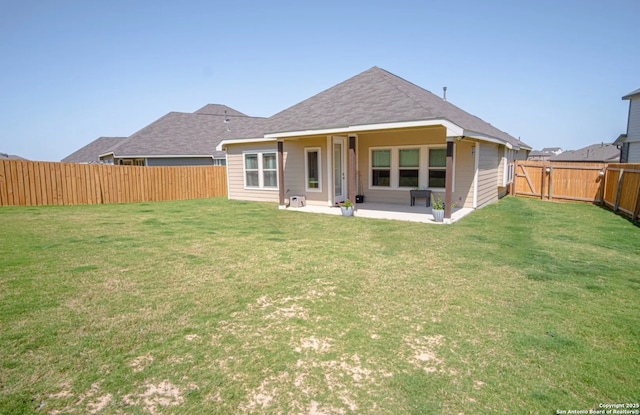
(386, 75)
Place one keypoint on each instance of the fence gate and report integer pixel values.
(528, 180)
(569, 181)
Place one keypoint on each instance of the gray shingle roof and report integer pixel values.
(182, 134)
(5, 156)
(593, 153)
(632, 94)
(219, 109)
(374, 97)
(90, 152)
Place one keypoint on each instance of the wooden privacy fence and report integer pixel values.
(29, 183)
(616, 185)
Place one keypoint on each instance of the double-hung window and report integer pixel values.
(437, 167)
(381, 168)
(409, 167)
(261, 170)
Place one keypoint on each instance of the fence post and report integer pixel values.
(542, 174)
(617, 204)
(637, 207)
(550, 178)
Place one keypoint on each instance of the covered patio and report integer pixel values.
(416, 213)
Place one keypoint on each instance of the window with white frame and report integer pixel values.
(313, 170)
(381, 168)
(261, 170)
(437, 174)
(409, 167)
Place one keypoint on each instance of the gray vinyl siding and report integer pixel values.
(633, 127)
(235, 173)
(487, 174)
(634, 152)
(180, 161)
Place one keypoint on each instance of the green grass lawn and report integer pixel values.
(214, 306)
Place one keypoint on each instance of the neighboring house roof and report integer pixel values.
(377, 97)
(593, 153)
(5, 156)
(633, 94)
(179, 134)
(90, 152)
(540, 153)
(551, 149)
(219, 109)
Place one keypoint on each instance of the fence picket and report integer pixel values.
(30, 183)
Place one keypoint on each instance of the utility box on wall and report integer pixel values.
(296, 201)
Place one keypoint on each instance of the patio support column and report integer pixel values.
(448, 195)
(281, 175)
(351, 170)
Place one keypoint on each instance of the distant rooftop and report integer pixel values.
(594, 153)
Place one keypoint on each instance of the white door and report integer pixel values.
(339, 180)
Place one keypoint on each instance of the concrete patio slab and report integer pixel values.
(389, 211)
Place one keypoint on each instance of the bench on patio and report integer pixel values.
(420, 193)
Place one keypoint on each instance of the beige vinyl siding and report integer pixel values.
(433, 136)
(487, 172)
(235, 173)
(465, 170)
(294, 170)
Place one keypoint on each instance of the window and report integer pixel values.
(437, 167)
(409, 168)
(261, 170)
(312, 169)
(381, 168)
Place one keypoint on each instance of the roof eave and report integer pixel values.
(224, 143)
(453, 130)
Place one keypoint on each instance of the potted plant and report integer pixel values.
(437, 208)
(347, 208)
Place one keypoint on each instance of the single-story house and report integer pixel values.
(376, 135)
(595, 153)
(630, 142)
(89, 154)
(181, 139)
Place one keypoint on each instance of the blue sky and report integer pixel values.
(549, 72)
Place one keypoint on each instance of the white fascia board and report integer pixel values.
(221, 145)
(453, 130)
(483, 137)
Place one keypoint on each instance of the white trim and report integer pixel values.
(452, 129)
(307, 150)
(223, 143)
